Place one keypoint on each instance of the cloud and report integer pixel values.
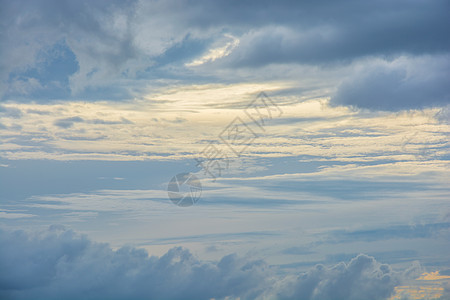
(404, 83)
(446, 293)
(444, 115)
(216, 53)
(392, 232)
(96, 35)
(60, 264)
(326, 32)
(67, 122)
(362, 278)
(5, 214)
(112, 48)
(10, 112)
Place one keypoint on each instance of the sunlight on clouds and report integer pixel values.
(417, 292)
(215, 95)
(428, 286)
(437, 172)
(179, 122)
(216, 53)
(433, 276)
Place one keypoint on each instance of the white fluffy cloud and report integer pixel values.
(59, 264)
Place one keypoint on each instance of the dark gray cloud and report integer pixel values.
(401, 84)
(109, 45)
(59, 264)
(329, 31)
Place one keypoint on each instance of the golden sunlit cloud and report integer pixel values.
(433, 276)
(417, 292)
(178, 122)
(428, 286)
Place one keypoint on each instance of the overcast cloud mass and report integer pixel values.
(341, 192)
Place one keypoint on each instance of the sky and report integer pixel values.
(225, 149)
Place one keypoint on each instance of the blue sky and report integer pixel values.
(343, 193)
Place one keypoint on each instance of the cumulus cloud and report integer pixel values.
(362, 278)
(60, 264)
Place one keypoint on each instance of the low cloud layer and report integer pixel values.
(60, 264)
(362, 278)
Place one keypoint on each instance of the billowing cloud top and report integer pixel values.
(59, 264)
